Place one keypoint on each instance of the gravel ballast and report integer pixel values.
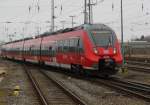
(136, 76)
(91, 93)
(15, 78)
(94, 94)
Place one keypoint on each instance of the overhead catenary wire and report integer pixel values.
(140, 10)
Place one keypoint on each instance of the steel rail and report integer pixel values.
(36, 87)
(109, 83)
(138, 59)
(133, 86)
(128, 88)
(66, 90)
(134, 83)
(138, 63)
(139, 83)
(138, 68)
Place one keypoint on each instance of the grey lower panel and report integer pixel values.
(68, 66)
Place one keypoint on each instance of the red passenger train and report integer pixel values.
(92, 48)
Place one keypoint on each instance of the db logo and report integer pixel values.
(106, 51)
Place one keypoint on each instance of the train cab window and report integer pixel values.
(103, 38)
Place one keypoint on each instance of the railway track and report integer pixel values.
(134, 88)
(35, 84)
(60, 95)
(138, 59)
(139, 63)
(139, 66)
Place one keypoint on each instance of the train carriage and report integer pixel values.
(91, 47)
(17, 49)
(8, 51)
(31, 50)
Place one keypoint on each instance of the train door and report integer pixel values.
(78, 51)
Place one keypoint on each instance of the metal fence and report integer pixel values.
(137, 48)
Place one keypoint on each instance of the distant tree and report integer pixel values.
(2, 42)
(142, 37)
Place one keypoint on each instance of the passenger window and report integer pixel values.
(75, 42)
(71, 48)
(66, 46)
(59, 46)
(80, 45)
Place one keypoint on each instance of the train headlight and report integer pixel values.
(95, 50)
(115, 50)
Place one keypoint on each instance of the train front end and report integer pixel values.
(105, 52)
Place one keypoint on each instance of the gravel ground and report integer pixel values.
(139, 56)
(16, 77)
(54, 95)
(1, 78)
(96, 95)
(136, 76)
(90, 92)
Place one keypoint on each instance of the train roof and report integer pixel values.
(84, 26)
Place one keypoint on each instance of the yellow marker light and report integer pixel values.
(16, 90)
(16, 93)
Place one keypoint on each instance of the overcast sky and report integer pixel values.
(136, 16)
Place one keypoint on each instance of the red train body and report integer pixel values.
(92, 48)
